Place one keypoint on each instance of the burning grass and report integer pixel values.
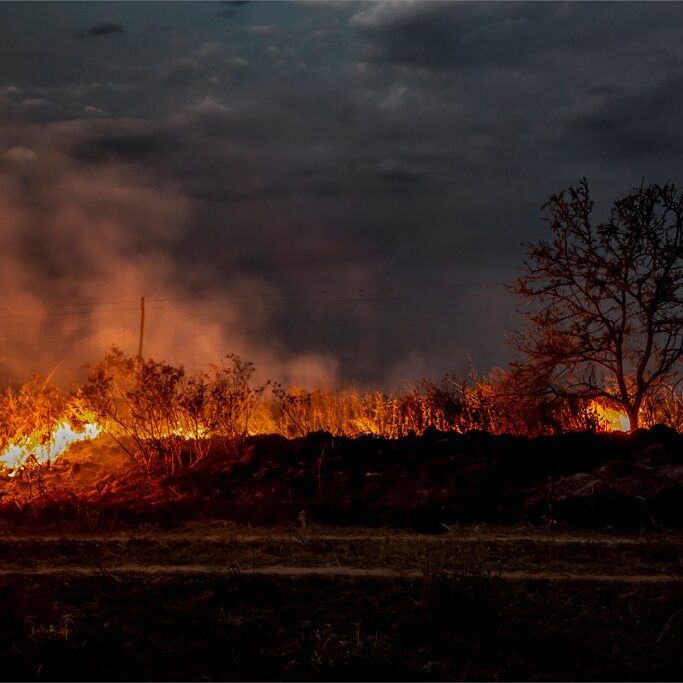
(142, 439)
(164, 418)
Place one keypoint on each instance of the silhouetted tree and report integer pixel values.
(606, 317)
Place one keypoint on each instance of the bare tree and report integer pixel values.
(606, 300)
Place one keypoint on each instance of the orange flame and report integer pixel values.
(33, 446)
(611, 420)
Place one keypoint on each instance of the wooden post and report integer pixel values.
(142, 326)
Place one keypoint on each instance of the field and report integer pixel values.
(224, 602)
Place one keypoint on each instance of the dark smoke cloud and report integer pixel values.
(104, 29)
(73, 235)
(337, 191)
(116, 148)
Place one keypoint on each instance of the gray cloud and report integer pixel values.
(122, 148)
(634, 127)
(105, 28)
(435, 34)
(349, 201)
(264, 30)
(229, 7)
(395, 171)
(440, 35)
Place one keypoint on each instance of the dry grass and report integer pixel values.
(164, 419)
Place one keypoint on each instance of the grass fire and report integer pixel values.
(157, 407)
(321, 359)
(32, 448)
(135, 421)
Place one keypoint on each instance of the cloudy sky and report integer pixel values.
(337, 191)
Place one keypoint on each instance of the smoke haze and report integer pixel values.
(335, 191)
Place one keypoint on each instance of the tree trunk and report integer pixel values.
(633, 417)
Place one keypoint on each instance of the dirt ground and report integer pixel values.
(302, 602)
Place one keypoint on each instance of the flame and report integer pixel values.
(33, 446)
(185, 433)
(611, 420)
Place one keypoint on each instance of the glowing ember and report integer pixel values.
(183, 433)
(19, 451)
(611, 420)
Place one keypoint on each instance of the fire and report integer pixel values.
(185, 433)
(611, 420)
(19, 451)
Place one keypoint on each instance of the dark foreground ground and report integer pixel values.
(220, 602)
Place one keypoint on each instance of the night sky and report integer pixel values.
(337, 191)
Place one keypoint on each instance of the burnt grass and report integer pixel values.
(582, 480)
(579, 480)
(576, 480)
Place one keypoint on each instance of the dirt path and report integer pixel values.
(338, 571)
(370, 536)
